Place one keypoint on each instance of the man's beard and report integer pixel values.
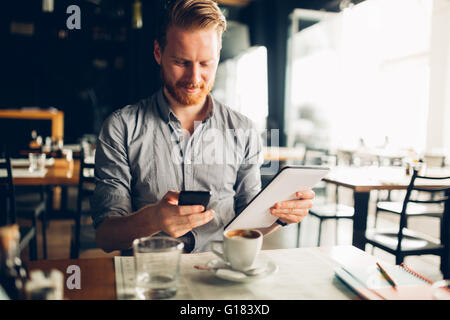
(183, 98)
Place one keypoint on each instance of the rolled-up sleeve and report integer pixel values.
(248, 182)
(112, 195)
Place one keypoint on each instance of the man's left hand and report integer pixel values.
(293, 211)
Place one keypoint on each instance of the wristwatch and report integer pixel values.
(281, 223)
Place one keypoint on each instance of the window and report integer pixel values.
(362, 74)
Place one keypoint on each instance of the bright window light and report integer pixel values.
(241, 83)
(363, 73)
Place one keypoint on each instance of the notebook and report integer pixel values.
(370, 284)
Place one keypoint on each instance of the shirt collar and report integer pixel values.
(167, 113)
(163, 106)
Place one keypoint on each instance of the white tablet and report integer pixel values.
(281, 188)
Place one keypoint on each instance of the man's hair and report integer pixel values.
(191, 15)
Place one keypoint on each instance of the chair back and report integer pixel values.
(434, 160)
(440, 195)
(7, 194)
(86, 176)
(314, 156)
(318, 157)
(345, 157)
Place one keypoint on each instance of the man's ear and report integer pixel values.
(157, 52)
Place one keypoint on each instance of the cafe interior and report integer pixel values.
(361, 87)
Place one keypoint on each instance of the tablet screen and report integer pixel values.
(282, 187)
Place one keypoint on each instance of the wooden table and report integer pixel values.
(97, 277)
(365, 179)
(62, 173)
(304, 273)
(283, 154)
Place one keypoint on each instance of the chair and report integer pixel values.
(8, 208)
(327, 211)
(33, 206)
(315, 157)
(362, 159)
(83, 235)
(434, 160)
(395, 207)
(402, 241)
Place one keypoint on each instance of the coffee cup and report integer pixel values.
(239, 247)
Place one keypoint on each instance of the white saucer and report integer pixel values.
(233, 275)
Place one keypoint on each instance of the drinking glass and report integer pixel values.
(37, 161)
(157, 263)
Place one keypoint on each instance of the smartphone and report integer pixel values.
(191, 198)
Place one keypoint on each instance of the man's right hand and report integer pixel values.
(176, 220)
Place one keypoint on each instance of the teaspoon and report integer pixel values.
(249, 272)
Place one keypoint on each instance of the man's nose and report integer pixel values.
(194, 74)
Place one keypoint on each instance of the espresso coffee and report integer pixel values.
(248, 234)
(239, 247)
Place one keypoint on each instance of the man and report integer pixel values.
(139, 148)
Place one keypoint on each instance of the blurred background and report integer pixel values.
(308, 68)
(366, 81)
(108, 63)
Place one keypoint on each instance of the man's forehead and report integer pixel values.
(200, 38)
(192, 29)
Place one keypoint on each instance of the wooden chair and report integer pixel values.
(8, 208)
(326, 211)
(402, 241)
(83, 235)
(34, 207)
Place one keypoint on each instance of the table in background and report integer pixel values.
(304, 273)
(62, 173)
(283, 154)
(362, 180)
(378, 153)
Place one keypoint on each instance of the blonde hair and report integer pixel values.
(192, 14)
